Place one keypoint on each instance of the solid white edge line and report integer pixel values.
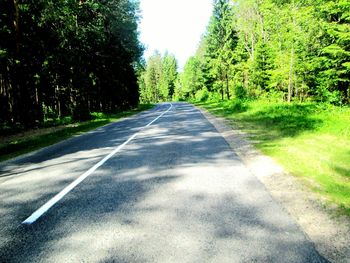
(44, 208)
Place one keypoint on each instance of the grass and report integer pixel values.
(311, 141)
(15, 145)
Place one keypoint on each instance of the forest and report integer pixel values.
(66, 58)
(296, 50)
(72, 58)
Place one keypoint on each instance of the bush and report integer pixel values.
(55, 122)
(202, 95)
(98, 115)
(214, 96)
(49, 112)
(66, 120)
(240, 92)
(236, 106)
(333, 97)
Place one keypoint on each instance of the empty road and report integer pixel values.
(175, 192)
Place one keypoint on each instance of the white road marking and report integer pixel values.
(44, 208)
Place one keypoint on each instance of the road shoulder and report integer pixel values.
(330, 234)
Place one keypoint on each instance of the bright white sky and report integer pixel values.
(174, 26)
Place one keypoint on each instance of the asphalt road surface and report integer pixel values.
(175, 193)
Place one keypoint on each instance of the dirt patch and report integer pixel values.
(329, 233)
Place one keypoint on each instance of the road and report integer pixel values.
(175, 193)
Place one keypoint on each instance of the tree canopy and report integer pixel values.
(70, 57)
(158, 78)
(295, 50)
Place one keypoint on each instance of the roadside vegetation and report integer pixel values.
(23, 141)
(311, 141)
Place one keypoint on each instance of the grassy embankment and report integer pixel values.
(55, 131)
(311, 141)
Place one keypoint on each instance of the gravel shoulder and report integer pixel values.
(329, 232)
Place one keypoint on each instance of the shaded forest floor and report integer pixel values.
(12, 145)
(311, 141)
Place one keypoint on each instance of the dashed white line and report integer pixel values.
(44, 208)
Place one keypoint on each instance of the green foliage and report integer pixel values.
(235, 106)
(214, 96)
(98, 115)
(202, 95)
(66, 53)
(240, 92)
(152, 77)
(158, 80)
(221, 41)
(262, 67)
(335, 56)
(49, 113)
(169, 75)
(325, 95)
(296, 50)
(192, 79)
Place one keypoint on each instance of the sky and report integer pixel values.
(175, 26)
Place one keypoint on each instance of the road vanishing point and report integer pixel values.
(160, 186)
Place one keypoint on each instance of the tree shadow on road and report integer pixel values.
(156, 201)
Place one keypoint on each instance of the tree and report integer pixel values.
(191, 78)
(334, 70)
(169, 75)
(152, 77)
(66, 57)
(158, 79)
(221, 41)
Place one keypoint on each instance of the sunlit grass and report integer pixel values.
(311, 141)
(28, 143)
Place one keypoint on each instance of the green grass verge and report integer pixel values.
(30, 143)
(311, 141)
